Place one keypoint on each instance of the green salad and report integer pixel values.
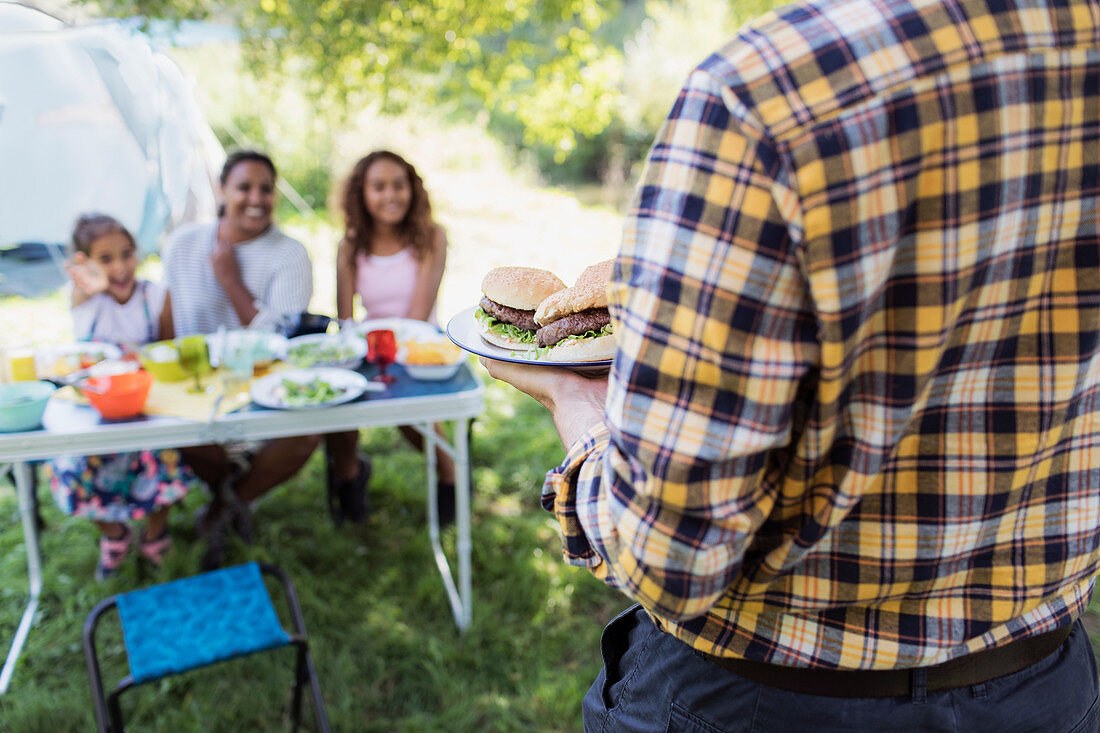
(337, 351)
(314, 392)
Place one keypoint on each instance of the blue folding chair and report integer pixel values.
(194, 622)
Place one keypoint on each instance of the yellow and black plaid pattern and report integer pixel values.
(855, 417)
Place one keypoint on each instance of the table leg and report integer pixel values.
(23, 488)
(460, 595)
(462, 518)
(427, 431)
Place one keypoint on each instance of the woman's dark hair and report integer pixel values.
(90, 227)
(244, 156)
(416, 227)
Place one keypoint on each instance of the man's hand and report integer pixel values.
(88, 277)
(576, 403)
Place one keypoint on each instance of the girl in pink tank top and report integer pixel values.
(393, 253)
(392, 256)
(385, 284)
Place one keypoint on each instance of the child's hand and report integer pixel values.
(87, 276)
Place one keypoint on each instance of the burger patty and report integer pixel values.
(592, 319)
(514, 316)
(522, 319)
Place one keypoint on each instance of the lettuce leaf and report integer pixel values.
(528, 337)
(504, 329)
(605, 331)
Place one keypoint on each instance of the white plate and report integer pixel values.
(47, 358)
(431, 372)
(404, 329)
(463, 330)
(268, 391)
(355, 346)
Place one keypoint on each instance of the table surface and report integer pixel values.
(72, 428)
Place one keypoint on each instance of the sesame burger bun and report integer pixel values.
(505, 316)
(565, 316)
(522, 288)
(590, 291)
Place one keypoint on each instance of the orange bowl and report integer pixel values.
(118, 395)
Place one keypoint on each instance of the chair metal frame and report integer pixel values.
(108, 710)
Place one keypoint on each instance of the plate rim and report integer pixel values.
(360, 349)
(466, 317)
(359, 383)
(360, 327)
(110, 350)
(310, 337)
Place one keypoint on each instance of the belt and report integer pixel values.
(965, 671)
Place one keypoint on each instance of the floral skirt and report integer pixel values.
(119, 486)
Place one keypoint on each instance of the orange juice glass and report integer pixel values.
(20, 363)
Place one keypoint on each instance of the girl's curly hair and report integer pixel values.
(416, 227)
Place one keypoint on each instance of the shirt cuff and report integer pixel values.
(265, 318)
(559, 495)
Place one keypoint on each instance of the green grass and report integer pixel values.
(386, 649)
(384, 642)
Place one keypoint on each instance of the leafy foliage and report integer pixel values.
(578, 87)
(542, 61)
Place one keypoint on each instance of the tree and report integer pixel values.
(542, 62)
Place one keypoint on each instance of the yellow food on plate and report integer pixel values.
(69, 363)
(66, 365)
(431, 352)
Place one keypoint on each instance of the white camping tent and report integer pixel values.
(93, 118)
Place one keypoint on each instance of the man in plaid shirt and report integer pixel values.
(848, 458)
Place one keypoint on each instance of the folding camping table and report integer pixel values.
(69, 428)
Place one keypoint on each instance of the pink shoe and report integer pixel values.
(155, 550)
(111, 554)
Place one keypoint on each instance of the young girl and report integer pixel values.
(392, 257)
(110, 304)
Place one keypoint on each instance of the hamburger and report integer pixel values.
(574, 324)
(505, 315)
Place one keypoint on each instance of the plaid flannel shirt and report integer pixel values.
(854, 419)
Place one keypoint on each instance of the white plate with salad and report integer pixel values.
(303, 389)
(326, 349)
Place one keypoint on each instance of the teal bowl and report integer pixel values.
(22, 405)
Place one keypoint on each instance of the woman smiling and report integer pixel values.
(240, 270)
